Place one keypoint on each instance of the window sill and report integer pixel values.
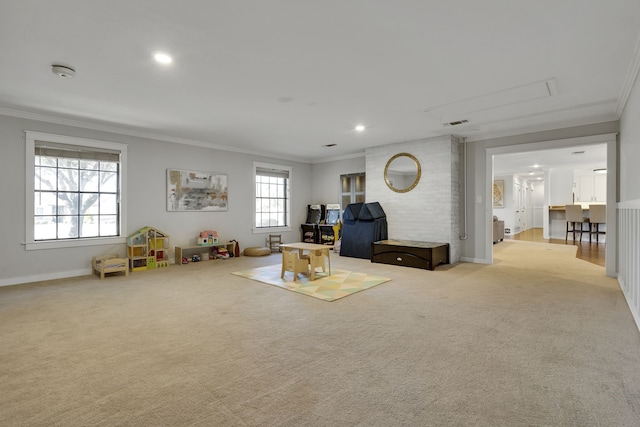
(75, 243)
(271, 230)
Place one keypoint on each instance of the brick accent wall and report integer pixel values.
(431, 211)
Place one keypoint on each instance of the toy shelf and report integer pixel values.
(180, 251)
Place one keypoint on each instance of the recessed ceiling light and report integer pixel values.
(162, 58)
(360, 128)
(536, 165)
(531, 173)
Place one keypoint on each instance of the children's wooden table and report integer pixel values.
(315, 252)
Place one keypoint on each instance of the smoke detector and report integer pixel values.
(62, 71)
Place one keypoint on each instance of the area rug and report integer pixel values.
(340, 284)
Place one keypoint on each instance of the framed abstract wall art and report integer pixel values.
(196, 191)
(498, 193)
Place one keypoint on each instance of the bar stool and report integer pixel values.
(597, 216)
(574, 217)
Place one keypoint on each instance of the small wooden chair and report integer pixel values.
(292, 262)
(275, 240)
(316, 259)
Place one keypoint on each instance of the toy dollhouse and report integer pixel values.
(147, 249)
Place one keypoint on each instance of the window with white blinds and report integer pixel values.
(272, 196)
(76, 191)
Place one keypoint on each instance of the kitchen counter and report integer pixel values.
(558, 221)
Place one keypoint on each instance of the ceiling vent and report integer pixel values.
(456, 123)
(493, 106)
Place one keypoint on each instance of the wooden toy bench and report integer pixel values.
(110, 264)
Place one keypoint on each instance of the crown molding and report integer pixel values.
(630, 79)
(336, 158)
(142, 134)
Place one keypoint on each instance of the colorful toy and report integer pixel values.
(147, 249)
(223, 253)
(208, 237)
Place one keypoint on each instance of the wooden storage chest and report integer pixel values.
(410, 253)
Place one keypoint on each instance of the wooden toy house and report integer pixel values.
(148, 248)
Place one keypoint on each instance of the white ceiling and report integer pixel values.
(287, 77)
(532, 165)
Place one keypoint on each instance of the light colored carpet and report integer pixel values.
(540, 338)
(340, 284)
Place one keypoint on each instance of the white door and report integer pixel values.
(518, 213)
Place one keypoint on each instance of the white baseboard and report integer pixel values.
(43, 277)
(475, 260)
(634, 314)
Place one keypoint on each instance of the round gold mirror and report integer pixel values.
(402, 172)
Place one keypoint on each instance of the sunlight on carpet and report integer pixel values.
(340, 284)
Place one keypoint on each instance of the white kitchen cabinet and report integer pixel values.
(590, 188)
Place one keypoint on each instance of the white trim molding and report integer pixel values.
(143, 134)
(629, 80)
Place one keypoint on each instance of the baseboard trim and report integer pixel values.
(43, 277)
(475, 260)
(627, 299)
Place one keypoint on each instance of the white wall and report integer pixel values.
(146, 204)
(560, 186)
(431, 211)
(325, 178)
(630, 148)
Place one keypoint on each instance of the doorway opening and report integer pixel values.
(538, 177)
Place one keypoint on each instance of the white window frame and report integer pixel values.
(352, 193)
(266, 230)
(30, 142)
